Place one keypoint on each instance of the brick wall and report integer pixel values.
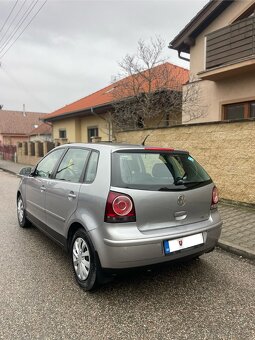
(225, 150)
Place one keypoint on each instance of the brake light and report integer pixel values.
(215, 198)
(119, 208)
(158, 149)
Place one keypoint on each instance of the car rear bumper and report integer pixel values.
(131, 253)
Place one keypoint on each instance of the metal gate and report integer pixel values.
(7, 152)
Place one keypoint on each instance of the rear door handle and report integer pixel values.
(42, 188)
(71, 195)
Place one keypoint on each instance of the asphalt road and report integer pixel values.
(211, 298)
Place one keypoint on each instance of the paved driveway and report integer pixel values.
(212, 298)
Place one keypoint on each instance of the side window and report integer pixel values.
(92, 167)
(62, 133)
(92, 132)
(71, 166)
(48, 163)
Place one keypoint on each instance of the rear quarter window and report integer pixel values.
(91, 170)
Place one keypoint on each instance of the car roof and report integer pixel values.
(111, 147)
(104, 146)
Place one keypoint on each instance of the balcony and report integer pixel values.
(230, 50)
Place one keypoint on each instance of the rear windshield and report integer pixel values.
(164, 171)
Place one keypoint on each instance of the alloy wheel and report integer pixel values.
(20, 208)
(81, 258)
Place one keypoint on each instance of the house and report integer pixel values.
(41, 133)
(220, 42)
(15, 126)
(90, 116)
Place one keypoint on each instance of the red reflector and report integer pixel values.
(122, 205)
(158, 149)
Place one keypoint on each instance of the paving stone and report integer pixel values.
(238, 227)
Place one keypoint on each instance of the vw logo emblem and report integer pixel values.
(181, 200)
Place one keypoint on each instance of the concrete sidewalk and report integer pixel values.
(12, 167)
(238, 232)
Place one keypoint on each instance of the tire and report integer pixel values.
(86, 266)
(21, 214)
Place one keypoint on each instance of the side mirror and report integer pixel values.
(25, 171)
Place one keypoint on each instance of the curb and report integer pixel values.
(9, 171)
(232, 248)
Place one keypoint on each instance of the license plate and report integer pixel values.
(183, 243)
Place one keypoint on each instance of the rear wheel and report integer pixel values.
(21, 213)
(86, 267)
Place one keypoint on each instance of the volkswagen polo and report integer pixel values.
(120, 206)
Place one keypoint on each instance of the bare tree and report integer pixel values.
(148, 90)
(194, 101)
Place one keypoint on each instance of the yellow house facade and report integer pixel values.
(91, 117)
(81, 129)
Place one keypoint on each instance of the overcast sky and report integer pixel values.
(72, 48)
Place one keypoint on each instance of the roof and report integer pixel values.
(185, 39)
(105, 96)
(42, 129)
(112, 147)
(18, 123)
(105, 146)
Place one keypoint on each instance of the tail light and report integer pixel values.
(119, 208)
(215, 198)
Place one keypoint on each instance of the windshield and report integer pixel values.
(157, 171)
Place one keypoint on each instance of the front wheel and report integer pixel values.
(21, 213)
(86, 267)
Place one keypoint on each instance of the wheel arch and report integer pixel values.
(71, 231)
(18, 194)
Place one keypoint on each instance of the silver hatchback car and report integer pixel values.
(120, 206)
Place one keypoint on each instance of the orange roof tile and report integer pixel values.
(179, 76)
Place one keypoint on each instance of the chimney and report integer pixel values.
(24, 110)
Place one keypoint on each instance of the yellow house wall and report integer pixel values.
(225, 150)
(71, 129)
(77, 128)
(94, 121)
(234, 89)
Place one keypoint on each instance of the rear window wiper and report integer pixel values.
(179, 180)
(164, 189)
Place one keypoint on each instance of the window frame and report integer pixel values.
(62, 130)
(92, 128)
(246, 106)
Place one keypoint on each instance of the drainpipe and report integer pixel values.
(183, 58)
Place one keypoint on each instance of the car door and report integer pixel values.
(36, 186)
(63, 191)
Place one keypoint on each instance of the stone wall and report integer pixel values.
(225, 149)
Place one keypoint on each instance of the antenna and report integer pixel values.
(143, 143)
